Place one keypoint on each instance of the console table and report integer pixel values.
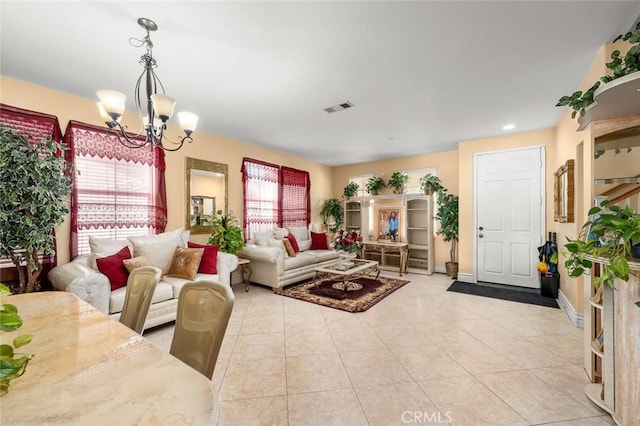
(89, 369)
(390, 255)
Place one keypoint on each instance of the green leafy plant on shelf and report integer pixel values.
(619, 66)
(611, 236)
(332, 209)
(375, 184)
(12, 363)
(351, 190)
(430, 184)
(226, 233)
(398, 181)
(35, 181)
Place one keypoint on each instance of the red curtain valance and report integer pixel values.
(30, 123)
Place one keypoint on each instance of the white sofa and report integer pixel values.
(82, 279)
(273, 267)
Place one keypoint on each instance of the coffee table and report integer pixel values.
(346, 270)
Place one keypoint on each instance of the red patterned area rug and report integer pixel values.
(363, 292)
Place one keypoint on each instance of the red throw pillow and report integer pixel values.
(319, 241)
(114, 269)
(294, 242)
(209, 261)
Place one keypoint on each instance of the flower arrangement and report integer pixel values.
(349, 242)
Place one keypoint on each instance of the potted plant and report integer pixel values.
(332, 208)
(447, 215)
(351, 190)
(12, 364)
(226, 233)
(430, 184)
(620, 66)
(36, 181)
(613, 234)
(375, 184)
(398, 181)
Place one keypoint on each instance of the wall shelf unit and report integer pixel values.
(415, 213)
(617, 98)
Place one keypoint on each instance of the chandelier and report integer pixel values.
(155, 108)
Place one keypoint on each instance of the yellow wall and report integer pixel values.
(446, 164)
(206, 146)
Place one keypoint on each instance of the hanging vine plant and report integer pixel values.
(620, 67)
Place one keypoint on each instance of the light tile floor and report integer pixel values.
(420, 356)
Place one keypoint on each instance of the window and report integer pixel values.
(413, 186)
(296, 204)
(274, 196)
(261, 194)
(361, 180)
(117, 191)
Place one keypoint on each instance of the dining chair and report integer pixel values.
(140, 287)
(204, 308)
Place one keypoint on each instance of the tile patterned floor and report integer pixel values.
(421, 356)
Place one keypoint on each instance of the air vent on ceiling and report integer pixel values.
(339, 107)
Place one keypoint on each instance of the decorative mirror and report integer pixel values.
(207, 189)
(563, 193)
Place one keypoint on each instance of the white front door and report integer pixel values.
(509, 215)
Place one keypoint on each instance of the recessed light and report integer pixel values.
(508, 127)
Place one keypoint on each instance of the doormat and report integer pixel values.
(363, 292)
(497, 291)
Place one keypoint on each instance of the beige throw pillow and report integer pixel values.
(186, 262)
(135, 262)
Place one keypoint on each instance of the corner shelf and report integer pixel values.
(594, 391)
(617, 98)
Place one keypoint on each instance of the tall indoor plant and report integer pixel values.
(226, 233)
(35, 181)
(332, 208)
(447, 215)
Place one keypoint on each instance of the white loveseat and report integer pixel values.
(81, 277)
(272, 266)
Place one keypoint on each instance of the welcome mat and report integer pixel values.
(497, 291)
(363, 293)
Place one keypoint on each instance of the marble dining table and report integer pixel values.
(89, 369)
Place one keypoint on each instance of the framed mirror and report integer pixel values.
(563, 193)
(207, 190)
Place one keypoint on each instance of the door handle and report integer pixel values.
(481, 236)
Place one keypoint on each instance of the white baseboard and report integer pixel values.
(439, 269)
(576, 318)
(466, 278)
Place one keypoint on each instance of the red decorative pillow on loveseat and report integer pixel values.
(209, 261)
(294, 242)
(319, 241)
(114, 269)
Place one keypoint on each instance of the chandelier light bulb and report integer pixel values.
(112, 103)
(188, 122)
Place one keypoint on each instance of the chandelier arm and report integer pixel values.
(123, 138)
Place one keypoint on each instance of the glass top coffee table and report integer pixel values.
(347, 270)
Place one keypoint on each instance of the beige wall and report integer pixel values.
(206, 146)
(446, 164)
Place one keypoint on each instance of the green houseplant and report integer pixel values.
(430, 184)
(226, 233)
(619, 66)
(375, 184)
(35, 181)
(12, 364)
(351, 190)
(611, 235)
(332, 208)
(398, 181)
(447, 215)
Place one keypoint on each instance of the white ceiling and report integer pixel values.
(423, 76)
